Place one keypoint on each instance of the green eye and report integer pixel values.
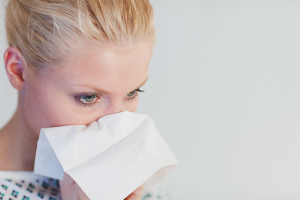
(88, 98)
(134, 93)
(131, 94)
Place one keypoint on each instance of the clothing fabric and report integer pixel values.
(23, 185)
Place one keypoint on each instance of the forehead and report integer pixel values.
(108, 68)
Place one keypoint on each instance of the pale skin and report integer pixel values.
(54, 99)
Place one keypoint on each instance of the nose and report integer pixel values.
(113, 107)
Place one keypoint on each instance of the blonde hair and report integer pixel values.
(47, 31)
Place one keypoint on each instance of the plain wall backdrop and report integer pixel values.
(223, 90)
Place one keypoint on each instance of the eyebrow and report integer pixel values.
(103, 91)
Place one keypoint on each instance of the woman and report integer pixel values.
(72, 62)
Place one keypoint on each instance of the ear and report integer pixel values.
(14, 66)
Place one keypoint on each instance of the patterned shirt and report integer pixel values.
(23, 185)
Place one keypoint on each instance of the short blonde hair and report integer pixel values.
(47, 31)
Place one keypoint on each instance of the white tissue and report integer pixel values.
(109, 158)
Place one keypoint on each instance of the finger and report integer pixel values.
(137, 194)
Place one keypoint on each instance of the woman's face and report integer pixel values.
(91, 84)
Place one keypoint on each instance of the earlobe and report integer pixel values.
(14, 66)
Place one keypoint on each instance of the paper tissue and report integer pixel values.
(109, 158)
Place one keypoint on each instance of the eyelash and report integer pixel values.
(77, 98)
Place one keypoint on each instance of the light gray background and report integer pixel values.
(224, 91)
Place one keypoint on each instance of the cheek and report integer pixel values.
(42, 109)
(48, 106)
(35, 108)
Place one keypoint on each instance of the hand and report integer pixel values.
(137, 194)
(70, 190)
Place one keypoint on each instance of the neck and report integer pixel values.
(17, 144)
